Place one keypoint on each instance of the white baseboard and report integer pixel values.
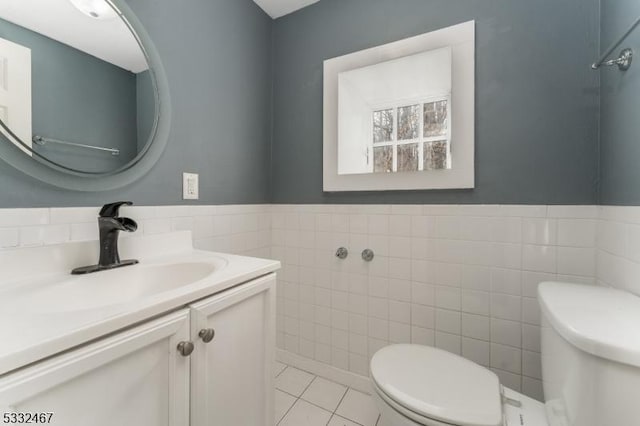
(352, 380)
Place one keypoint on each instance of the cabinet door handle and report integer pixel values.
(185, 348)
(207, 334)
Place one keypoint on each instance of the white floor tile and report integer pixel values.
(358, 407)
(324, 394)
(284, 402)
(340, 421)
(305, 414)
(279, 368)
(293, 381)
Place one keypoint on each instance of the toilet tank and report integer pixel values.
(590, 355)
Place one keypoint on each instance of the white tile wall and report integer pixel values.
(619, 248)
(232, 229)
(462, 278)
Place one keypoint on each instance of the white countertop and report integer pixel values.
(32, 331)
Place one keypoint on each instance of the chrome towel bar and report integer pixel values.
(626, 56)
(39, 140)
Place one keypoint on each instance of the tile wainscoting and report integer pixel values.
(231, 229)
(462, 278)
(619, 248)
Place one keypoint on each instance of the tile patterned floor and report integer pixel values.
(303, 399)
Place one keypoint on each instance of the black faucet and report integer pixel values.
(110, 225)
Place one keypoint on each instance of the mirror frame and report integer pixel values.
(139, 166)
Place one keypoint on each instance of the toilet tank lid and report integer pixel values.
(602, 321)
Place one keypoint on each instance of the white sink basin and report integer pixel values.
(109, 288)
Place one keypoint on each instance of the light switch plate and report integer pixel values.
(190, 189)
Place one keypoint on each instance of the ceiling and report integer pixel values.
(109, 39)
(278, 8)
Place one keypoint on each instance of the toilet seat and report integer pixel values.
(432, 387)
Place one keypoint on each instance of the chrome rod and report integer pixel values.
(613, 47)
(39, 140)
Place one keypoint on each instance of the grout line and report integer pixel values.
(332, 413)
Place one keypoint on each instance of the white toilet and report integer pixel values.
(591, 371)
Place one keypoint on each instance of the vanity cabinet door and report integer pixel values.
(232, 375)
(134, 378)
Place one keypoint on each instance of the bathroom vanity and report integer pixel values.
(186, 337)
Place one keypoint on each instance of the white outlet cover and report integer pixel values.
(190, 186)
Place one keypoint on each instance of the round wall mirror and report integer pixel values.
(84, 101)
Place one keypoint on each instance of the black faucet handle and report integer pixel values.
(113, 209)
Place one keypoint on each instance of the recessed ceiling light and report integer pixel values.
(97, 9)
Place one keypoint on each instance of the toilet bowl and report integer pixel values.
(417, 385)
(590, 350)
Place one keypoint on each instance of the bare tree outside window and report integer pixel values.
(435, 155)
(408, 157)
(409, 122)
(410, 138)
(435, 119)
(383, 159)
(383, 126)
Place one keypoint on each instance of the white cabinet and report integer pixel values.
(138, 377)
(232, 380)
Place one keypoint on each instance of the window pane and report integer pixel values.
(383, 126)
(435, 119)
(383, 159)
(408, 157)
(408, 122)
(435, 155)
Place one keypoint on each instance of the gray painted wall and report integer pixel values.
(217, 55)
(76, 97)
(536, 104)
(620, 110)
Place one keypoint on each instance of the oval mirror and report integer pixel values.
(83, 96)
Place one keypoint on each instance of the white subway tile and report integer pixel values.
(533, 388)
(541, 231)
(577, 232)
(449, 342)
(9, 237)
(505, 306)
(539, 258)
(23, 217)
(423, 316)
(74, 215)
(531, 364)
(573, 212)
(506, 358)
(399, 226)
(576, 261)
(476, 327)
(448, 298)
(476, 302)
(423, 336)
(508, 281)
(477, 351)
(531, 337)
(506, 332)
(507, 230)
(448, 321)
(378, 224)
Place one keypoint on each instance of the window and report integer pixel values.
(397, 116)
(411, 138)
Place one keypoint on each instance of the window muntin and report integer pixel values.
(412, 136)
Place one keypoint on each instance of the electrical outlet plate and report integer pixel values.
(190, 190)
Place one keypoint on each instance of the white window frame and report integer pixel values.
(420, 140)
(461, 39)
